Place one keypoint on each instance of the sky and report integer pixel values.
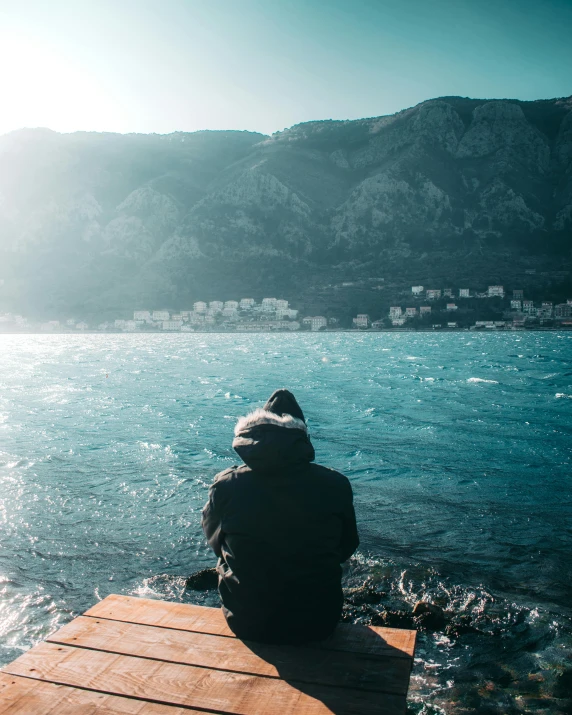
(264, 65)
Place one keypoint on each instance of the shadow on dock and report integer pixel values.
(355, 670)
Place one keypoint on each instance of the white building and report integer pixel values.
(160, 315)
(395, 312)
(142, 315)
(447, 292)
(545, 310)
(410, 312)
(281, 305)
(172, 324)
(81, 326)
(230, 312)
(269, 305)
(197, 318)
(516, 305)
(199, 307)
(425, 310)
(451, 325)
(495, 292)
(464, 293)
(417, 290)
(528, 307)
(231, 305)
(246, 304)
(398, 321)
(563, 310)
(282, 313)
(362, 320)
(451, 306)
(433, 294)
(216, 306)
(130, 326)
(318, 322)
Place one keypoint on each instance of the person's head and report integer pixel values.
(282, 402)
(275, 436)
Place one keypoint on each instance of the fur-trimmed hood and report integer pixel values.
(264, 417)
(265, 440)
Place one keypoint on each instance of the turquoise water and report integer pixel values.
(457, 446)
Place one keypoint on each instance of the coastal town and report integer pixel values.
(426, 309)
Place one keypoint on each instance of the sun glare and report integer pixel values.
(38, 82)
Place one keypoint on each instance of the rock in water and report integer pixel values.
(204, 580)
(429, 615)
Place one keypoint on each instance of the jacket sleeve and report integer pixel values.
(212, 521)
(350, 537)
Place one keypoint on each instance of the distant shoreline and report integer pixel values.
(560, 329)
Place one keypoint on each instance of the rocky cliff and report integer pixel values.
(90, 222)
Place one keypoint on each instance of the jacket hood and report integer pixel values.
(282, 402)
(266, 440)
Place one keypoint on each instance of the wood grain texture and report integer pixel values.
(22, 696)
(307, 665)
(370, 640)
(190, 686)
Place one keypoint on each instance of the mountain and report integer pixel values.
(452, 189)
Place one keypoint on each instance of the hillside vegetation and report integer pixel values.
(452, 189)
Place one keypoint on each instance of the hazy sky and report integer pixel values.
(168, 65)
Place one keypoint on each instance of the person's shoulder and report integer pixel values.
(231, 474)
(332, 475)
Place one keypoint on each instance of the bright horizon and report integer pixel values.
(151, 67)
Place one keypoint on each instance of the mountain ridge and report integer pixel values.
(100, 221)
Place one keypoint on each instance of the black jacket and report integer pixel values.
(281, 527)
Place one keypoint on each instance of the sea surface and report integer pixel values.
(458, 447)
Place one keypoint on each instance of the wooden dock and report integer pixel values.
(138, 656)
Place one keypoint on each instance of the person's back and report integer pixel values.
(281, 527)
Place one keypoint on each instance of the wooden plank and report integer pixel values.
(189, 686)
(370, 640)
(350, 670)
(23, 696)
(166, 614)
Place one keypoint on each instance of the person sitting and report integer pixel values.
(281, 527)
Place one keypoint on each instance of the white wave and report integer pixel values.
(480, 379)
(562, 396)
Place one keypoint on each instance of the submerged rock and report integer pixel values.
(393, 619)
(204, 580)
(428, 615)
(563, 686)
(366, 594)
